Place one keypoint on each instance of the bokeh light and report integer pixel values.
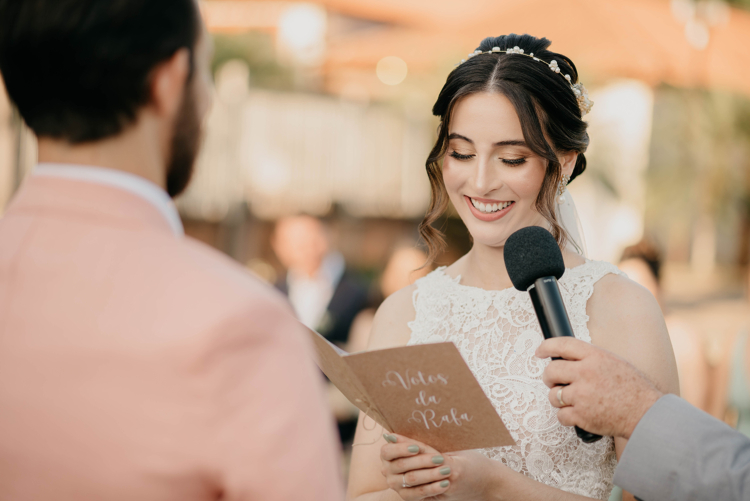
(391, 70)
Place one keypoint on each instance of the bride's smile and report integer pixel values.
(488, 210)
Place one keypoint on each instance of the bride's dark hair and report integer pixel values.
(546, 106)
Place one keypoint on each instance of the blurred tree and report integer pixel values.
(744, 4)
(700, 166)
(258, 50)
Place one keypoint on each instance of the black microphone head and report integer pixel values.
(532, 253)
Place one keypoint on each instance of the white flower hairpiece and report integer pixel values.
(582, 96)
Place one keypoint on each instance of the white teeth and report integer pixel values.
(489, 208)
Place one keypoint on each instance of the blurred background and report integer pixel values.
(312, 172)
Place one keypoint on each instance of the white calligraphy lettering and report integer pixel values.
(393, 378)
(424, 399)
(428, 418)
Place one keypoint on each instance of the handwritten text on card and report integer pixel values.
(393, 378)
(429, 418)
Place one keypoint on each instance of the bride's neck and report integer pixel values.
(484, 267)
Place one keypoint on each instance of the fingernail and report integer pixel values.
(444, 484)
(438, 460)
(413, 449)
(389, 438)
(445, 471)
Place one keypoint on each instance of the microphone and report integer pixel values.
(535, 263)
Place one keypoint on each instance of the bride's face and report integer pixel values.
(491, 175)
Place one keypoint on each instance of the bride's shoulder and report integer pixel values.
(626, 319)
(390, 327)
(616, 297)
(617, 291)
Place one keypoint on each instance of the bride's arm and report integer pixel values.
(625, 319)
(389, 329)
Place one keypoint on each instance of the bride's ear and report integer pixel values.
(568, 162)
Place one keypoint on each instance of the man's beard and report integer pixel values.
(186, 140)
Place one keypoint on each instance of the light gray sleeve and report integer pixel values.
(678, 452)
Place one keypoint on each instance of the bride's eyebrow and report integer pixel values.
(453, 135)
(510, 142)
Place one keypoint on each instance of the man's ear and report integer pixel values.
(168, 83)
(568, 162)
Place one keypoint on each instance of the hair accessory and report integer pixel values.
(582, 96)
(561, 189)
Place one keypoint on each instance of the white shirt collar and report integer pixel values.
(310, 296)
(118, 179)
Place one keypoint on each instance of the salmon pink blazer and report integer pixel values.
(136, 365)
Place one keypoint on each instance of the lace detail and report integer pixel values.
(497, 334)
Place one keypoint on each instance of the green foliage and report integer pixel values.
(258, 50)
(743, 4)
(699, 160)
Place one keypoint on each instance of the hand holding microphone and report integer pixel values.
(535, 263)
(604, 393)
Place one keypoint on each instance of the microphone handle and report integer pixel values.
(553, 319)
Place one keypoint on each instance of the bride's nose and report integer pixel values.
(485, 178)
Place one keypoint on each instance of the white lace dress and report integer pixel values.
(497, 333)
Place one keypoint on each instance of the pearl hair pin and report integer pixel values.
(582, 96)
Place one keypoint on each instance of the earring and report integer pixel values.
(561, 189)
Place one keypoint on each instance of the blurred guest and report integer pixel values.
(324, 294)
(642, 263)
(730, 398)
(136, 363)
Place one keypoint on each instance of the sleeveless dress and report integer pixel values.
(497, 333)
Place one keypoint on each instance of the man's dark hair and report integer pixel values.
(79, 70)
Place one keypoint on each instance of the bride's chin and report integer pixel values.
(496, 244)
(495, 240)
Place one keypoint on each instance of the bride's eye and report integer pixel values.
(513, 161)
(459, 156)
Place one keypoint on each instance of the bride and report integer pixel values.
(511, 136)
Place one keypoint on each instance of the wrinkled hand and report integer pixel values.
(604, 393)
(432, 476)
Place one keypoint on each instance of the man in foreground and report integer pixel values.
(674, 452)
(136, 363)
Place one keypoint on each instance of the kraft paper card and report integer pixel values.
(425, 392)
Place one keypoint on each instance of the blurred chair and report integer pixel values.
(642, 263)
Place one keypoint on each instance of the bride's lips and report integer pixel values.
(483, 216)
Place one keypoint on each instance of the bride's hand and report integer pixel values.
(416, 471)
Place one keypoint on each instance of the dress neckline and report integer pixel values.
(457, 279)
